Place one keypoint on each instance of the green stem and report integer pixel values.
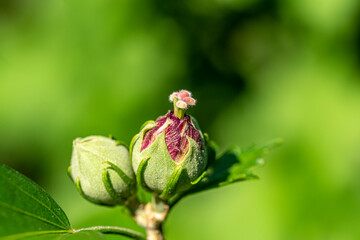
(174, 200)
(133, 204)
(178, 112)
(158, 204)
(114, 230)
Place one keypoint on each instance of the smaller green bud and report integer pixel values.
(100, 168)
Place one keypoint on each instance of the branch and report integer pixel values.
(114, 230)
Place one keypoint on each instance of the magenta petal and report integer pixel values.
(175, 135)
(149, 135)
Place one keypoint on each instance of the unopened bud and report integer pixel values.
(101, 169)
(169, 154)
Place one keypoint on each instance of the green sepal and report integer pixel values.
(127, 180)
(146, 123)
(109, 187)
(206, 137)
(140, 174)
(78, 186)
(161, 166)
(122, 143)
(119, 142)
(199, 178)
(69, 173)
(175, 198)
(172, 182)
(132, 146)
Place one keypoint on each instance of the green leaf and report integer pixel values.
(232, 166)
(28, 212)
(56, 235)
(26, 207)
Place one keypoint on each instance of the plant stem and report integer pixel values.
(133, 204)
(158, 205)
(151, 217)
(114, 230)
(178, 112)
(154, 234)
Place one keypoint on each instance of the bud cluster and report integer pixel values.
(165, 158)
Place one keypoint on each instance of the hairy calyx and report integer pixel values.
(176, 133)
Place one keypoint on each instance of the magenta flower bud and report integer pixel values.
(168, 155)
(176, 132)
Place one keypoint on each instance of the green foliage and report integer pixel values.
(56, 235)
(277, 68)
(25, 207)
(28, 212)
(232, 166)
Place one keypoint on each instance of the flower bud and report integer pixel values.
(169, 155)
(100, 168)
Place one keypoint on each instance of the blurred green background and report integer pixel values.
(259, 69)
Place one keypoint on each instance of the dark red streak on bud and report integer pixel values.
(175, 135)
(149, 136)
